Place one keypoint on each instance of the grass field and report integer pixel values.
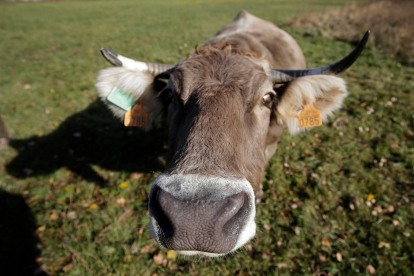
(74, 182)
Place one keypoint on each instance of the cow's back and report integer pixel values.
(263, 37)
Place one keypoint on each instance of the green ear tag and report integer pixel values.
(121, 99)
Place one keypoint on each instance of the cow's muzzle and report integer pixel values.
(199, 215)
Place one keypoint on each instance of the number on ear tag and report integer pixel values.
(136, 117)
(309, 117)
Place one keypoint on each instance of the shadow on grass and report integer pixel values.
(18, 242)
(90, 137)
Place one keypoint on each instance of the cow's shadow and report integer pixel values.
(90, 137)
(18, 240)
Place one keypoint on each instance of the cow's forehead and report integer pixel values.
(241, 74)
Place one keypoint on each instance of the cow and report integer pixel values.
(225, 106)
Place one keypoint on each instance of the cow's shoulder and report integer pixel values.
(283, 49)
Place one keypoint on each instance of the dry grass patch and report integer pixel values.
(390, 22)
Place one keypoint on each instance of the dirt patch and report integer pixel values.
(390, 22)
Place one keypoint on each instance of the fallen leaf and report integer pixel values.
(71, 215)
(158, 259)
(352, 207)
(326, 242)
(396, 222)
(390, 209)
(339, 257)
(136, 176)
(371, 269)
(69, 187)
(123, 185)
(145, 249)
(41, 228)
(279, 243)
(93, 206)
(315, 175)
(54, 216)
(247, 246)
(370, 110)
(171, 254)
(120, 201)
(370, 197)
(378, 209)
(140, 231)
(406, 234)
(322, 258)
(267, 227)
(68, 267)
(297, 231)
(134, 250)
(384, 244)
(26, 86)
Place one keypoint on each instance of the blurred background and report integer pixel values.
(74, 181)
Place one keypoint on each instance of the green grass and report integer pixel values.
(49, 58)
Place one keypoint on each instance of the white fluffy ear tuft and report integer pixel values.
(326, 93)
(139, 84)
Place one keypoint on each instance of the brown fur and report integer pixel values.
(217, 123)
(213, 93)
(228, 46)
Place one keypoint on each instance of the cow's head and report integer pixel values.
(222, 106)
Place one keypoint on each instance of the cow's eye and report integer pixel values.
(168, 94)
(268, 99)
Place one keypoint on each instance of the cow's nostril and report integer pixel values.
(159, 215)
(227, 213)
(198, 225)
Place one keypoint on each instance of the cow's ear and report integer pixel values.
(141, 86)
(325, 93)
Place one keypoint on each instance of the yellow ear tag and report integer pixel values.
(136, 117)
(309, 117)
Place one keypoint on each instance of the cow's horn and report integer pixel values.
(282, 75)
(155, 69)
